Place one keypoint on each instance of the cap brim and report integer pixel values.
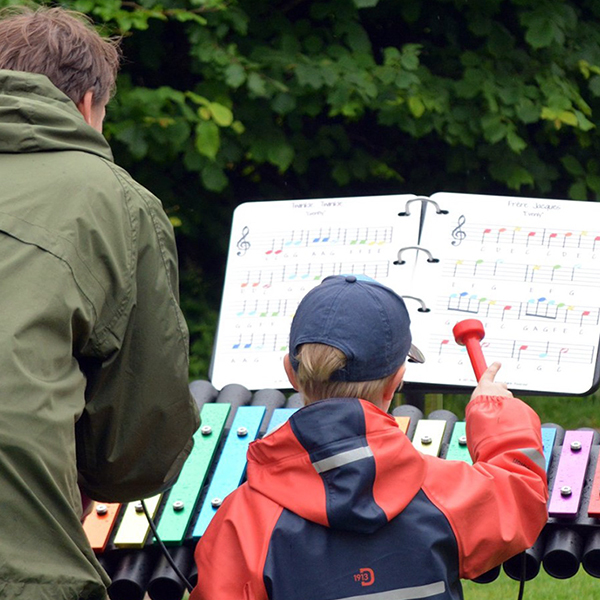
(415, 355)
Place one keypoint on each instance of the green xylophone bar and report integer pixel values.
(184, 495)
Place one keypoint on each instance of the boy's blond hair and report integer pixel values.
(316, 364)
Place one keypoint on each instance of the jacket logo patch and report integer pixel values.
(365, 577)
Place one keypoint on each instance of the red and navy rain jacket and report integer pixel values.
(338, 504)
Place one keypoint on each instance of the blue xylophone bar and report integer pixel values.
(233, 416)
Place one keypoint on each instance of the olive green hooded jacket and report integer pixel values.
(93, 346)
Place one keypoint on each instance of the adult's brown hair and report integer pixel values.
(63, 45)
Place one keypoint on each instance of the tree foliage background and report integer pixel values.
(224, 101)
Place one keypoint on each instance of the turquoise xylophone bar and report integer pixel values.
(244, 429)
(280, 416)
(271, 400)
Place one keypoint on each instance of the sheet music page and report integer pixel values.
(279, 250)
(529, 270)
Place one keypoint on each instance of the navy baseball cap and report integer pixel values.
(364, 319)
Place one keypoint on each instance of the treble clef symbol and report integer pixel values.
(243, 244)
(457, 233)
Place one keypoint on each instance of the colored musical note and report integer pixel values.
(496, 265)
(522, 349)
(485, 232)
(458, 234)
(269, 283)
(539, 308)
(530, 235)
(500, 232)
(456, 265)
(534, 269)
(554, 270)
(461, 307)
(567, 236)
(442, 344)
(477, 263)
(275, 313)
(243, 244)
(561, 352)
(585, 313)
(273, 250)
(505, 309)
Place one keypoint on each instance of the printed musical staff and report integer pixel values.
(310, 272)
(543, 352)
(264, 308)
(540, 238)
(535, 309)
(276, 243)
(577, 275)
(255, 342)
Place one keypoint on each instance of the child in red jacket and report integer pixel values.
(339, 504)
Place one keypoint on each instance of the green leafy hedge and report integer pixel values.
(223, 101)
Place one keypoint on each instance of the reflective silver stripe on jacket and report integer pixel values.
(534, 455)
(343, 458)
(411, 593)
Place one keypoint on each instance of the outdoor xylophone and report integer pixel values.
(233, 417)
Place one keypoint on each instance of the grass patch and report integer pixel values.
(542, 587)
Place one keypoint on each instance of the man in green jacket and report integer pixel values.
(93, 346)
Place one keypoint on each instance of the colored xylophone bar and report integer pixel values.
(232, 418)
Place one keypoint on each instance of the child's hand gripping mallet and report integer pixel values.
(469, 333)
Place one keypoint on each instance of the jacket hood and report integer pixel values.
(342, 463)
(35, 116)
